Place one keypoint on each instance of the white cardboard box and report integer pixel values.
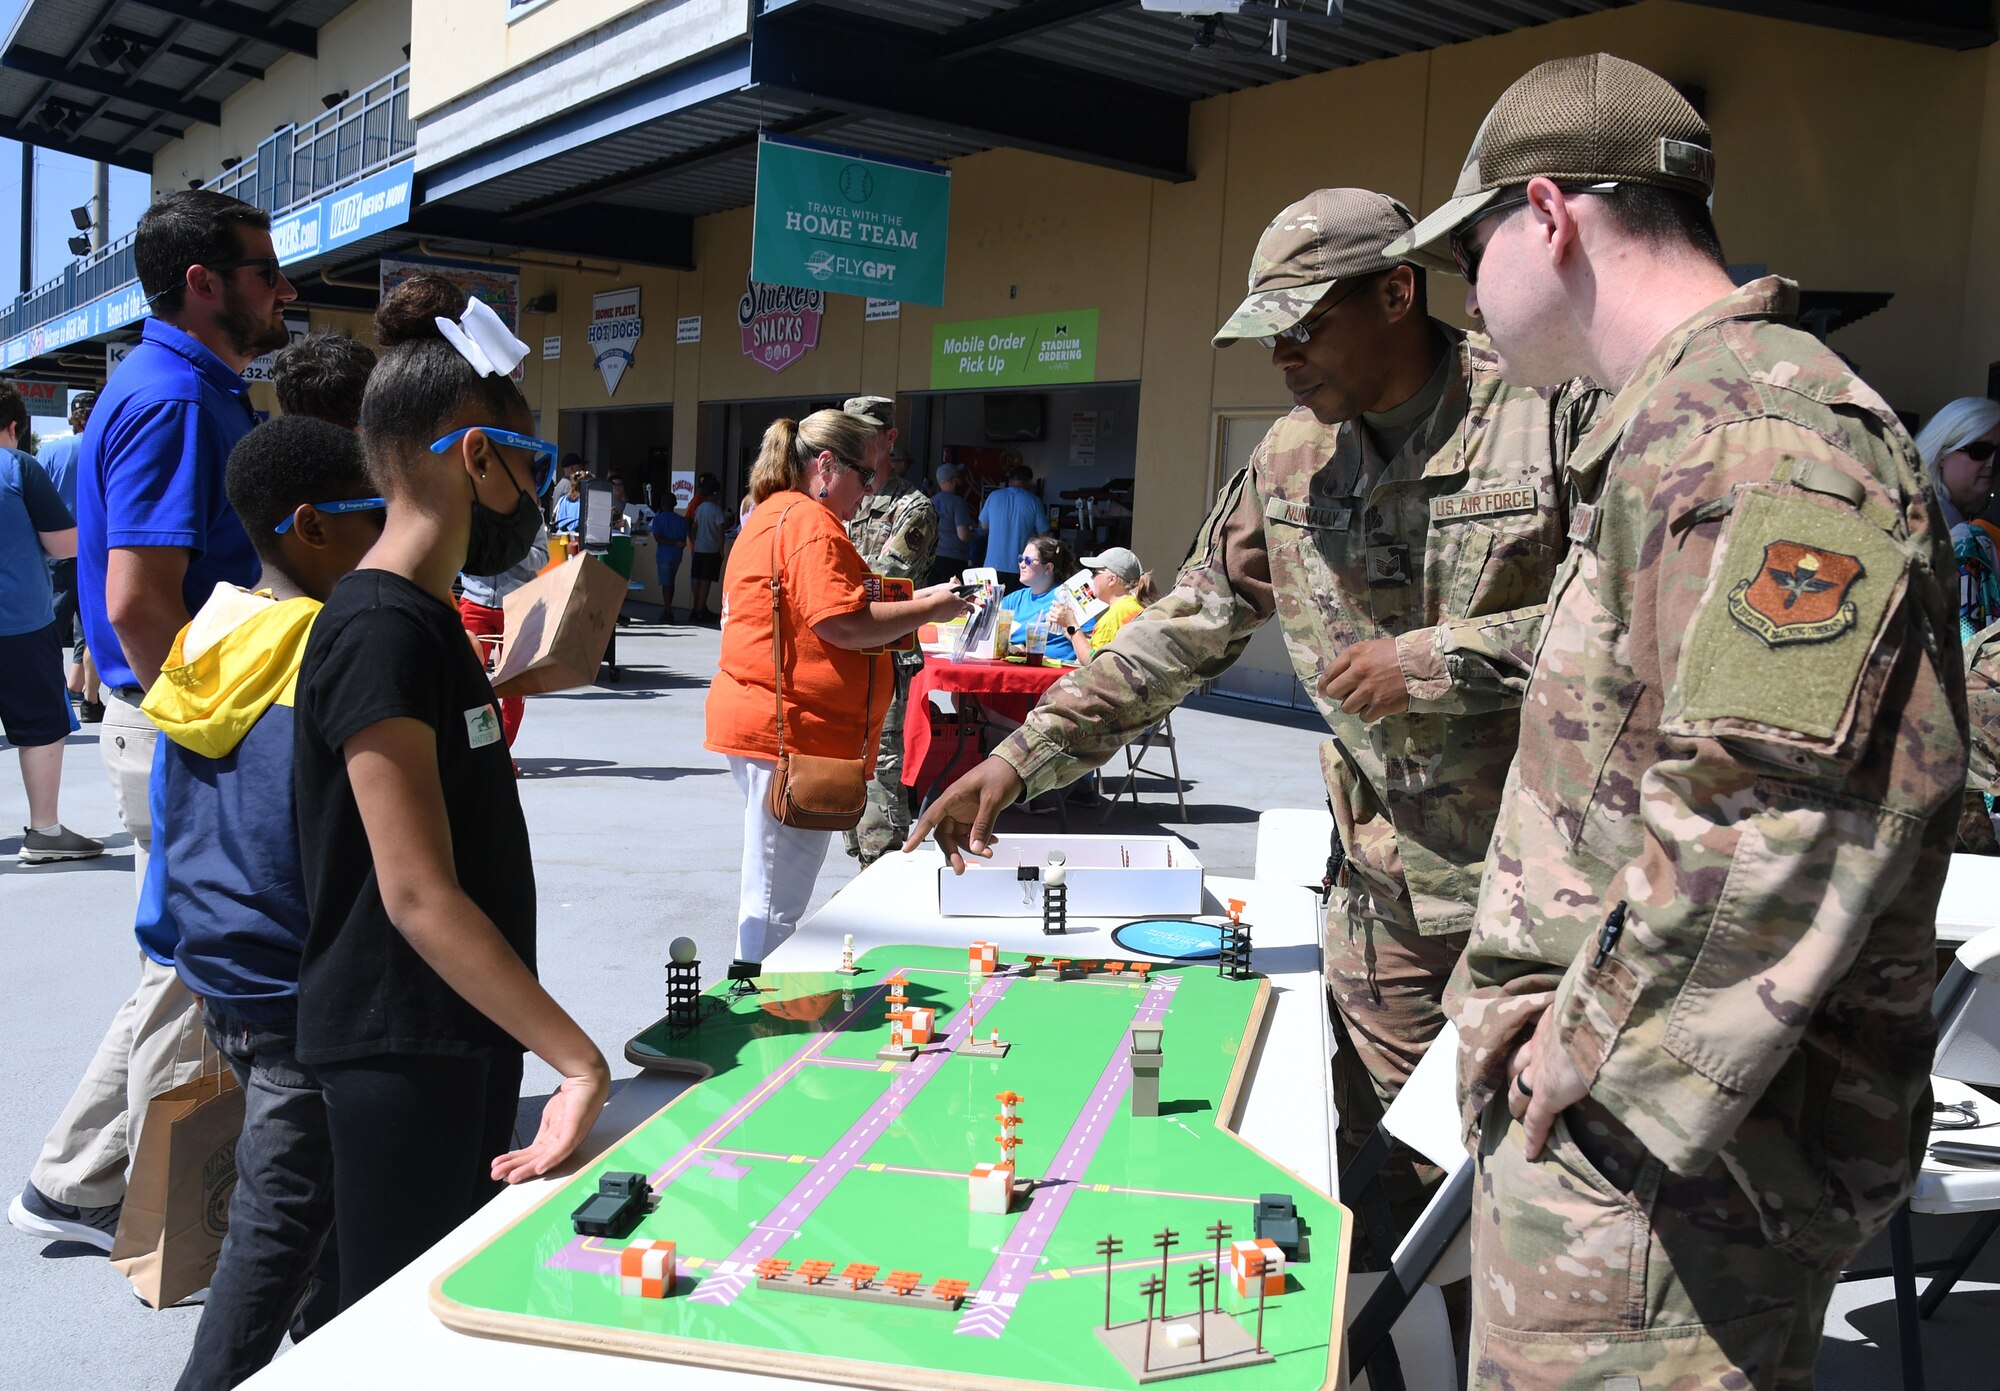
(1108, 877)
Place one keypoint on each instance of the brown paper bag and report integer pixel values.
(177, 1202)
(558, 625)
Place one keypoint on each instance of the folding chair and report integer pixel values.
(1160, 736)
(1967, 1007)
(1403, 1300)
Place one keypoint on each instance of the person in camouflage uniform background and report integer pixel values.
(896, 532)
(1979, 832)
(1408, 581)
(1695, 1010)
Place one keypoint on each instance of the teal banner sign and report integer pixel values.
(1024, 350)
(849, 223)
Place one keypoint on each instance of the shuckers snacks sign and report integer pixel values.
(849, 223)
(780, 324)
(614, 332)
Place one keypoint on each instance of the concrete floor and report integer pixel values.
(635, 830)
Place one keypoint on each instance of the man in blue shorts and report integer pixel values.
(35, 527)
(155, 535)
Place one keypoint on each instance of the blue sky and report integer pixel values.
(62, 182)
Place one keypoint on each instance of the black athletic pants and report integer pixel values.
(414, 1140)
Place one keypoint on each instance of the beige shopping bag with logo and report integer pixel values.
(177, 1199)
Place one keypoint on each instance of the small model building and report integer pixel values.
(1055, 894)
(991, 1188)
(846, 966)
(1256, 1262)
(984, 958)
(621, 1199)
(922, 1024)
(683, 985)
(646, 1269)
(1146, 1058)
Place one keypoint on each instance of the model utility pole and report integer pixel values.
(1165, 1240)
(1218, 1233)
(1199, 1278)
(1108, 1248)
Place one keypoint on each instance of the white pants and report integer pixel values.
(780, 865)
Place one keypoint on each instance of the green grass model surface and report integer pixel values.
(802, 1146)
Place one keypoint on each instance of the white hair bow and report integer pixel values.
(484, 340)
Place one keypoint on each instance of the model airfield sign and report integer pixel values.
(956, 1219)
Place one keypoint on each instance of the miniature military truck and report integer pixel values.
(1278, 1220)
(615, 1208)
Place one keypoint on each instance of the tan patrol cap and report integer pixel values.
(1329, 235)
(1593, 119)
(879, 411)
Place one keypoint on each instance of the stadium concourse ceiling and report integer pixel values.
(1107, 82)
(117, 79)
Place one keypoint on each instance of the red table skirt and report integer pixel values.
(1006, 688)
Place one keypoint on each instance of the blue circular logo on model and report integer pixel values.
(1174, 939)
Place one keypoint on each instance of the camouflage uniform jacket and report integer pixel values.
(1448, 548)
(1982, 698)
(1746, 723)
(896, 532)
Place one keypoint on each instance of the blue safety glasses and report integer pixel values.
(542, 467)
(352, 504)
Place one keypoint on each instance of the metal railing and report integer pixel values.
(294, 165)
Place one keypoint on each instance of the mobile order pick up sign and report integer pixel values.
(849, 223)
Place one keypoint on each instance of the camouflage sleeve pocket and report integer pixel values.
(1793, 611)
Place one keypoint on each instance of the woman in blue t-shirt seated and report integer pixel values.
(1044, 561)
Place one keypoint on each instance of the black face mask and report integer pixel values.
(501, 540)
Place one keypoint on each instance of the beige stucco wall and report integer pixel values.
(357, 47)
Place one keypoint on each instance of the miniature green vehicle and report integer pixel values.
(615, 1208)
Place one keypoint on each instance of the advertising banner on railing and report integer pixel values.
(101, 315)
(849, 223)
(376, 204)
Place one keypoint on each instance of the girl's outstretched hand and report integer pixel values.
(565, 1121)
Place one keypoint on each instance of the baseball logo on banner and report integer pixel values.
(615, 326)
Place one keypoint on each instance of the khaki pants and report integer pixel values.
(1385, 982)
(885, 821)
(155, 1041)
(1596, 1269)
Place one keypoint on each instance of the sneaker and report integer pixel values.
(65, 844)
(90, 712)
(37, 1214)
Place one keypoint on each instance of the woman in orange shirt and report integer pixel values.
(808, 480)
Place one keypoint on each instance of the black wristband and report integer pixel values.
(1069, 630)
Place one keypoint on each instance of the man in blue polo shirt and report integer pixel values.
(155, 535)
(58, 460)
(1011, 515)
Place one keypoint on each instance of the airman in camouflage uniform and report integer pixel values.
(1701, 968)
(1439, 554)
(896, 532)
(1979, 832)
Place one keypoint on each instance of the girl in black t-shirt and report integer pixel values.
(417, 991)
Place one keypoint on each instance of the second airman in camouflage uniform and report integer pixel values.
(1437, 552)
(896, 532)
(1695, 1011)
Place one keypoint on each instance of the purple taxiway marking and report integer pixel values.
(991, 1305)
(575, 1255)
(796, 1207)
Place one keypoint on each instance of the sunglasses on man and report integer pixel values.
(266, 267)
(1468, 256)
(541, 464)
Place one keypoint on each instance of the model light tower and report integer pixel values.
(683, 985)
(900, 1047)
(992, 1185)
(1233, 962)
(1146, 1059)
(1055, 894)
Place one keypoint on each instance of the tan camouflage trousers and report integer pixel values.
(1385, 982)
(885, 821)
(1596, 1269)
